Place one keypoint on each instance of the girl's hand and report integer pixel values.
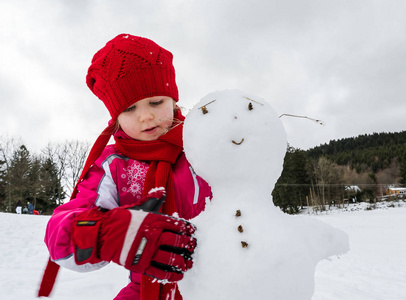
(154, 244)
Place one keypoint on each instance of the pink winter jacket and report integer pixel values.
(115, 180)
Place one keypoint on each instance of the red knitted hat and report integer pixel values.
(130, 68)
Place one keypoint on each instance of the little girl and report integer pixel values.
(107, 218)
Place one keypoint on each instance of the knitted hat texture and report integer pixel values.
(130, 68)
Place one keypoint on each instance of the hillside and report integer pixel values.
(363, 153)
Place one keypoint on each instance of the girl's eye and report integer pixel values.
(156, 103)
(131, 108)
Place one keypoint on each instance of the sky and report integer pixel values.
(342, 62)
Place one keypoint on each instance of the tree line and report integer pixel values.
(318, 177)
(44, 179)
(327, 175)
(369, 151)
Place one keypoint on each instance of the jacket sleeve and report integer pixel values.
(96, 185)
(191, 191)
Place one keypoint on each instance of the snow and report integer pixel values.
(23, 257)
(287, 257)
(374, 268)
(237, 143)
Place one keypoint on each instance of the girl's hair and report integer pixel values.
(116, 126)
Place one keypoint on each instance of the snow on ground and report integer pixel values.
(23, 257)
(374, 268)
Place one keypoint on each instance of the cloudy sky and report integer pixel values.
(342, 61)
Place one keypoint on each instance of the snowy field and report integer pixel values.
(375, 267)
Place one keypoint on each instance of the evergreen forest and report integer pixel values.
(44, 180)
(340, 172)
(347, 170)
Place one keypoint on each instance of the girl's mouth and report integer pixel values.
(149, 130)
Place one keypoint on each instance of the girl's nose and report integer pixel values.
(145, 115)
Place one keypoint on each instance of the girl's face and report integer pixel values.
(148, 119)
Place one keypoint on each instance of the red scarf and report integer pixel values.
(162, 154)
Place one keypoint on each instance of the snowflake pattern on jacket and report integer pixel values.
(136, 173)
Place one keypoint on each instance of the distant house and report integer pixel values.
(352, 188)
(396, 191)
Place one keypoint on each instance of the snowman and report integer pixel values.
(248, 248)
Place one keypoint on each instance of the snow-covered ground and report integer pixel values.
(374, 268)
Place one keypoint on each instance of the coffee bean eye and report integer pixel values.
(204, 108)
(250, 106)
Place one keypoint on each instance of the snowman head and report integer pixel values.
(232, 138)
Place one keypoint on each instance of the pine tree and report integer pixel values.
(402, 170)
(17, 187)
(292, 187)
(34, 181)
(52, 192)
(2, 184)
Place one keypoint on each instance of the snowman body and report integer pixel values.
(247, 248)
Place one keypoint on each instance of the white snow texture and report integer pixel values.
(237, 143)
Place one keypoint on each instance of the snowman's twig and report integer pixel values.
(176, 123)
(304, 117)
(207, 103)
(204, 109)
(254, 101)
